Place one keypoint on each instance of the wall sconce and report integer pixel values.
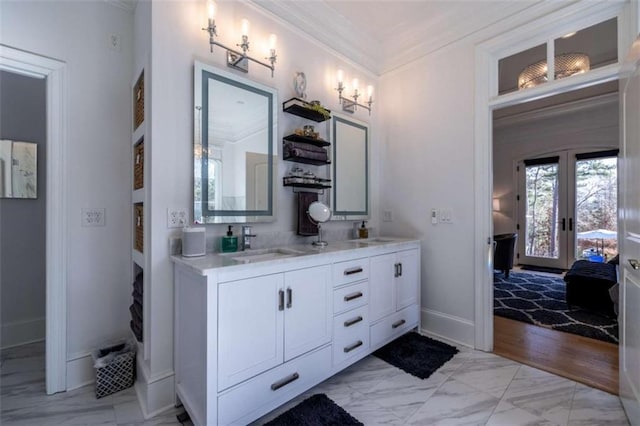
(236, 59)
(349, 105)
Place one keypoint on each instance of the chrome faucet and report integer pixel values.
(246, 237)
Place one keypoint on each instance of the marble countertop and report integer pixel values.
(282, 254)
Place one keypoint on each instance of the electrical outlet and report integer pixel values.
(177, 218)
(387, 216)
(93, 217)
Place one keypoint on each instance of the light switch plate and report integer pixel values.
(434, 216)
(93, 217)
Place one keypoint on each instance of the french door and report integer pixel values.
(567, 208)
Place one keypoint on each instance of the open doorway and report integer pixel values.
(54, 73)
(23, 130)
(554, 174)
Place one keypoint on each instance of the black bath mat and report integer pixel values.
(418, 355)
(317, 410)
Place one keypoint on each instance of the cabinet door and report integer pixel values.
(249, 328)
(308, 311)
(382, 294)
(407, 283)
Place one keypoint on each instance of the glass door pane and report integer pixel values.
(541, 215)
(596, 208)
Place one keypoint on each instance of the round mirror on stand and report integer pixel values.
(319, 213)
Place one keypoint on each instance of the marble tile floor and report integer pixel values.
(474, 388)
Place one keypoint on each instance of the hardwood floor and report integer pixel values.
(588, 361)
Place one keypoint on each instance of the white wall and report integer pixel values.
(428, 163)
(98, 156)
(582, 125)
(22, 221)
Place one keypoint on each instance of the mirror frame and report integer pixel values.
(202, 74)
(337, 212)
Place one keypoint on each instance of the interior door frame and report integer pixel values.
(55, 73)
(577, 15)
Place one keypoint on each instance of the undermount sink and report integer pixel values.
(261, 255)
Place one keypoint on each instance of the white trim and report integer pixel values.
(56, 236)
(486, 71)
(18, 333)
(439, 324)
(80, 371)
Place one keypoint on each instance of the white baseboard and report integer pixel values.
(18, 333)
(80, 371)
(455, 329)
(156, 397)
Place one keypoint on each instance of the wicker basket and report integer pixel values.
(138, 102)
(138, 165)
(118, 374)
(139, 227)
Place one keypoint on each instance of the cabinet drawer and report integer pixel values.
(394, 325)
(350, 271)
(350, 297)
(350, 334)
(268, 390)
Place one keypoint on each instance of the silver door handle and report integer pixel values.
(398, 323)
(635, 264)
(289, 298)
(353, 271)
(280, 300)
(285, 381)
(352, 347)
(351, 322)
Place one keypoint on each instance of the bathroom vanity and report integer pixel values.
(255, 329)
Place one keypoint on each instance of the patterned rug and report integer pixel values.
(540, 300)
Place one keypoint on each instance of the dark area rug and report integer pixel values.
(542, 269)
(317, 410)
(540, 300)
(415, 354)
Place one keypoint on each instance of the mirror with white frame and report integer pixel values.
(235, 154)
(350, 194)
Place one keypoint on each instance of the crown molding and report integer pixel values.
(128, 5)
(319, 21)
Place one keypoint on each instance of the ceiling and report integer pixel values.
(382, 35)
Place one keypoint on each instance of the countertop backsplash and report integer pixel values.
(270, 239)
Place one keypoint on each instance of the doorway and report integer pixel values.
(54, 71)
(567, 208)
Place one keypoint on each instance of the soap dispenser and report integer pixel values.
(363, 232)
(230, 242)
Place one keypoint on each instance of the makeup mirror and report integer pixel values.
(319, 213)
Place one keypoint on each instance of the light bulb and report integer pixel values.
(245, 27)
(370, 91)
(273, 39)
(211, 9)
(355, 84)
(340, 75)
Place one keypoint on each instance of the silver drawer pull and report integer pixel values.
(350, 322)
(634, 263)
(398, 323)
(350, 297)
(352, 347)
(353, 271)
(284, 382)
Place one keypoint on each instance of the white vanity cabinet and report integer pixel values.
(250, 337)
(394, 294)
(265, 321)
